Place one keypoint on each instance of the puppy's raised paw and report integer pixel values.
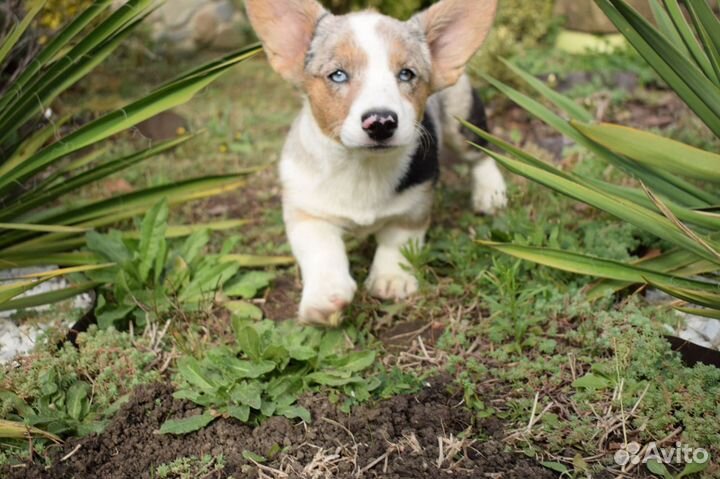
(323, 301)
(395, 285)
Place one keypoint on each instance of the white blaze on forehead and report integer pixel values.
(379, 88)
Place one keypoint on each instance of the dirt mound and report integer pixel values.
(404, 437)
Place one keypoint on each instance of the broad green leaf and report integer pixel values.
(252, 457)
(655, 151)
(295, 412)
(249, 284)
(695, 468)
(249, 369)
(658, 468)
(248, 394)
(335, 378)
(110, 246)
(241, 413)
(356, 362)
(244, 310)
(194, 245)
(76, 400)
(248, 341)
(186, 425)
(592, 382)
(601, 268)
(557, 467)
(193, 372)
(152, 237)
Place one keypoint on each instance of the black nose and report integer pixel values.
(380, 125)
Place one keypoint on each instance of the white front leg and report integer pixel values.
(489, 190)
(390, 275)
(327, 285)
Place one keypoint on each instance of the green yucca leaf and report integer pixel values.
(601, 268)
(162, 99)
(688, 37)
(683, 76)
(40, 258)
(18, 431)
(707, 17)
(667, 27)
(641, 217)
(677, 189)
(706, 313)
(42, 228)
(49, 297)
(23, 111)
(713, 54)
(57, 43)
(250, 261)
(101, 40)
(43, 194)
(575, 111)
(31, 145)
(10, 291)
(700, 297)
(16, 33)
(114, 210)
(654, 150)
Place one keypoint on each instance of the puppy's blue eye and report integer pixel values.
(339, 76)
(406, 75)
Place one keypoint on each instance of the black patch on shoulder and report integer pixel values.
(425, 164)
(477, 117)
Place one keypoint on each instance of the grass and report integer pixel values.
(570, 381)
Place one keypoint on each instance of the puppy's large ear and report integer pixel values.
(455, 30)
(286, 28)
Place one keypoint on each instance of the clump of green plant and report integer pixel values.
(43, 159)
(191, 468)
(675, 196)
(149, 280)
(517, 29)
(74, 391)
(266, 370)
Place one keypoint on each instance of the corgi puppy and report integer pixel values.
(381, 98)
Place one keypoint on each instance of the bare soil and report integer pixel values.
(397, 438)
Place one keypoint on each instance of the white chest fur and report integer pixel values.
(355, 189)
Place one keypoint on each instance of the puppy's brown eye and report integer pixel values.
(406, 75)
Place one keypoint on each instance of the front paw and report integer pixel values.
(489, 188)
(489, 201)
(324, 300)
(393, 285)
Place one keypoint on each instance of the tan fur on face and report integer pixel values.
(331, 102)
(405, 47)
